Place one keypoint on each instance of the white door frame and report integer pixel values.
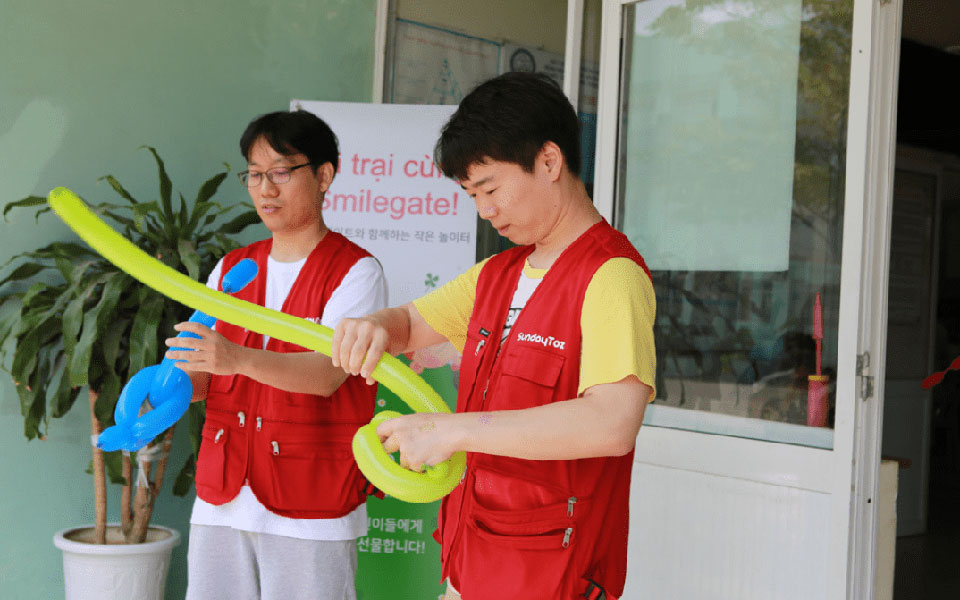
(849, 472)
(877, 36)
(381, 29)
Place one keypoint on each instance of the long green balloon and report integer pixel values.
(372, 459)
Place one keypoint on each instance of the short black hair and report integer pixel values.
(295, 132)
(509, 118)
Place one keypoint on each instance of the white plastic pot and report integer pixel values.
(115, 571)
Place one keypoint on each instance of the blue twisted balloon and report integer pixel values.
(167, 388)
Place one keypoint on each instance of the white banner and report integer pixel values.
(390, 198)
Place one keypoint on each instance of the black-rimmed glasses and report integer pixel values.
(277, 175)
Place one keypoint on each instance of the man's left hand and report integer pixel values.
(210, 353)
(423, 439)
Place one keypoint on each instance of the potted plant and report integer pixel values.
(74, 322)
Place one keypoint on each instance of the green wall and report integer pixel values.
(82, 85)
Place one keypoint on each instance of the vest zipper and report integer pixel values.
(216, 439)
(243, 418)
(566, 536)
(276, 448)
(570, 503)
(259, 423)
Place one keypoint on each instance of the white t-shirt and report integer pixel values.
(527, 284)
(362, 291)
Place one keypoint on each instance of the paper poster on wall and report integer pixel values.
(437, 66)
(708, 185)
(390, 198)
(527, 59)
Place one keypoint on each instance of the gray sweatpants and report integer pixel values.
(228, 564)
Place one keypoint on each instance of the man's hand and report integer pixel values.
(433, 357)
(423, 439)
(211, 353)
(358, 345)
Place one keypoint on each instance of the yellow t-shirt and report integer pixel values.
(616, 322)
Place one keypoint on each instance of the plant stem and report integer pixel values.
(141, 504)
(126, 516)
(162, 465)
(99, 476)
(146, 496)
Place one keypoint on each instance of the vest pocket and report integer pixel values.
(473, 351)
(211, 462)
(221, 384)
(520, 539)
(310, 475)
(528, 378)
(516, 488)
(504, 559)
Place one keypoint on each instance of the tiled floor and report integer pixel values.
(928, 566)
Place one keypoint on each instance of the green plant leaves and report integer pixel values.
(33, 405)
(26, 202)
(24, 271)
(210, 187)
(197, 414)
(141, 214)
(240, 222)
(143, 333)
(166, 188)
(114, 464)
(7, 325)
(71, 327)
(70, 319)
(95, 322)
(199, 210)
(111, 340)
(110, 387)
(65, 394)
(185, 478)
(118, 188)
(189, 257)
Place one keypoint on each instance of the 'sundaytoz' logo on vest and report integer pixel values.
(546, 342)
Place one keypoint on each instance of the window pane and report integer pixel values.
(730, 183)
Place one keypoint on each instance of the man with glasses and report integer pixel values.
(280, 501)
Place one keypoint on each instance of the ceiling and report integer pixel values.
(932, 22)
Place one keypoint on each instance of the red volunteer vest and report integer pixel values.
(519, 528)
(294, 449)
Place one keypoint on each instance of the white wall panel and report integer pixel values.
(700, 537)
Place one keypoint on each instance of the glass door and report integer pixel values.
(735, 142)
(730, 180)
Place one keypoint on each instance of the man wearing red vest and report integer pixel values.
(280, 501)
(558, 361)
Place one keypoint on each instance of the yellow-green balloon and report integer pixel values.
(372, 459)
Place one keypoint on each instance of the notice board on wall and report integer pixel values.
(432, 65)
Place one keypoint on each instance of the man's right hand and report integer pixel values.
(358, 345)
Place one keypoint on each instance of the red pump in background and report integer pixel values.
(818, 385)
